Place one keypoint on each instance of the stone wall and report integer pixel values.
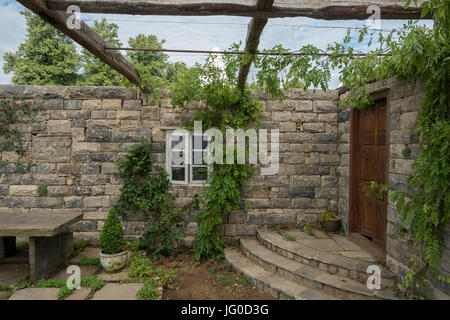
(404, 101)
(79, 134)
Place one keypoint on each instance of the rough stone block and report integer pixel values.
(127, 115)
(305, 181)
(98, 135)
(51, 149)
(132, 104)
(23, 191)
(92, 104)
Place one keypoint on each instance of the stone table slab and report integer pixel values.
(116, 291)
(37, 224)
(36, 294)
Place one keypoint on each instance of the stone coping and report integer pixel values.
(117, 92)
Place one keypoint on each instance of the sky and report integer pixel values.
(197, 33)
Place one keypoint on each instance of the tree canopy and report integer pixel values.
(47, 57)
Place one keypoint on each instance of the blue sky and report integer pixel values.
(198, 33)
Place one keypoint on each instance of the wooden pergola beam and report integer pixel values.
(318, 9)
(255, 29)
(86, 37)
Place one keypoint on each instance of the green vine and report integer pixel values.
(229, 107)
(145, 192)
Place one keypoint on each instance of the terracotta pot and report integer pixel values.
(113, 262)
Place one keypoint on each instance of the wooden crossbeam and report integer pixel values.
(255, 29)
(318, 9)
(86, 37)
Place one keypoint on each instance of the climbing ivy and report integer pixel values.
(229, 107)
(145, 192)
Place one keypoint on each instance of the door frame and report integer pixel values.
(353, 179)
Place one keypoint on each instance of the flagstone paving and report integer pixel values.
(86, 271)
(80, 294)
(88, 252)
(117, 291)
(331, 243)
(12, 273)
(35, 294)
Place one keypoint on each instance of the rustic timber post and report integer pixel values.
(255, 29)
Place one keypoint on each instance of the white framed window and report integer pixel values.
(185, 154)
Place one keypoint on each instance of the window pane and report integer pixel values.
(197, 157)
(178, 158)
(178, 174)
(199, 173)
(199, 142)
(178, 142)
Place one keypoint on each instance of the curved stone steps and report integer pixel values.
(305, 275)
(269, 282)
(332, 263)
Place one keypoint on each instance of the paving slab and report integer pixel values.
(357, 254)
(300, 235)
(117, 291)
(13, 273)
(322, 244)
(86, 271)
(320, 234)
(118, 276)
(36, 294)
(88, 252)
(346, 243)
(79, 294)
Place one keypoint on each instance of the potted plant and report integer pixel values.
(330, 221)
(113, 255)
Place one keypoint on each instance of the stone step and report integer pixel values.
(356, 269)
(271, 283)
(331, 284)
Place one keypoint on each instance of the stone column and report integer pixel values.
(47, 254)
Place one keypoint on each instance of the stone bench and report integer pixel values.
(51, 242)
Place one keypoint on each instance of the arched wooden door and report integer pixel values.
(369, 156)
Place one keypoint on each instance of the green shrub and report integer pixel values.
(111, 238)
(140, 266)
(149, 290)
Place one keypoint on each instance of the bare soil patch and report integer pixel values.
(206, 280)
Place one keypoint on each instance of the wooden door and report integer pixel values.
(369, 163)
